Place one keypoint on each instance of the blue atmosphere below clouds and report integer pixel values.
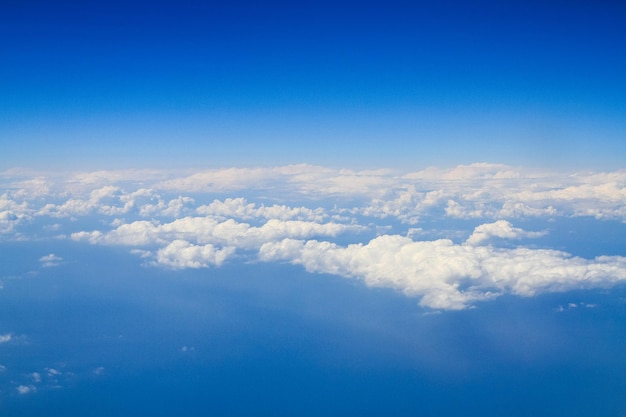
(379, 83)
(271, 340)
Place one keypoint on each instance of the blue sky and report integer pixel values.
(313, 208)
(447, 83)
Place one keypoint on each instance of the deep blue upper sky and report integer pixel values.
(248, 83)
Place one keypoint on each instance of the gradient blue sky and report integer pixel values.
(119, 84)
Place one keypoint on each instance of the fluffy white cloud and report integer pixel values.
(446, 275)
(173, 208)
(501, 229)
(498, 191)
(240, 208)
(12, 213)
(285, 207)
(209, 230)
(182, 254)
(488, 191)
(194, 242)
(5, 337)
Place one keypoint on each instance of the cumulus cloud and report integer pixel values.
(445, 275)
(194, 242)
(240, 208)
(210, 230)
(108, 200)
(487, 191)
(12, 213)
(298, 213)
(182, 254)
(4, 338)
(173, 208)
(501, 229)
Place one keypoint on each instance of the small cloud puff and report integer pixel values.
(572, 306)
(26, 389)
(50, 260)
(500, 229)
(4, 338)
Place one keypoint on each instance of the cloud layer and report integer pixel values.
(357, 224)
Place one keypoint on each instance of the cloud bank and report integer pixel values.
(354, 224)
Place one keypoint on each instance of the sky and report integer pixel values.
(313, 208)
(124, 83)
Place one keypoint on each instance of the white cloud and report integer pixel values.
(209, 230)
(239, 208)
(447, 275)
(26, 389)
(572, 306)
(108, 200)
(12, 213)
(197, 242)
(32, 187)
(182, 254)
(81, 181)
(479, 170)
(50, 260)
(4, 338)
(502, 229)
(278, 210)
(223, 179)
(173, 208)
(481, 190)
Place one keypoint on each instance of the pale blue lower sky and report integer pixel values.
(273, 340)
(407, 138)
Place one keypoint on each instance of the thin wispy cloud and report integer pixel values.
(50, 260)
